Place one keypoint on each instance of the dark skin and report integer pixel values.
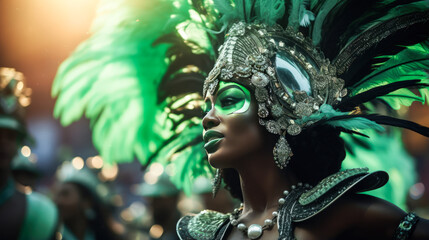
(247, 147)
(14, 208)
(71, 206)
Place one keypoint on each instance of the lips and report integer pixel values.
(212, 139)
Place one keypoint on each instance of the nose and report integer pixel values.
(210, 120)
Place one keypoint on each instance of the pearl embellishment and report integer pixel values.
(255, 231)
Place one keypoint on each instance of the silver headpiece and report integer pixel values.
(291, 79)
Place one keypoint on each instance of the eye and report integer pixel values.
(229, 101)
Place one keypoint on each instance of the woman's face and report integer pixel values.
(69, 201)
(232, 132)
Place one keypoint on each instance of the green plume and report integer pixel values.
(265, 11)
(112, 78)
(412, 63)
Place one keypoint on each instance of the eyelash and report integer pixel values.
(228, 101)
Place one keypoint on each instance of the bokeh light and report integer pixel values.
(156, 231)
(78, 163)
(26, 151)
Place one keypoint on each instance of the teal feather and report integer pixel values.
(356, 123)
(265, 11)
(329, 115)
(299, 15)
(320, 17)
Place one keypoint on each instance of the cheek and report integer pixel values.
(244, 137)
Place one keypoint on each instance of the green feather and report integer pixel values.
(112, 78)
(412, 63)
(264, 11)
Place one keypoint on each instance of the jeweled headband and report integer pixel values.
(291, 79)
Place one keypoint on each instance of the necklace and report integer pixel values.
(255, 231)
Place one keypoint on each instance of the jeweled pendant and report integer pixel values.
(254, 231)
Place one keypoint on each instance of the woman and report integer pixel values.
(302, 109)
(83, 213)
(275, 107)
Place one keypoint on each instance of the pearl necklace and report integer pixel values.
(255, 231)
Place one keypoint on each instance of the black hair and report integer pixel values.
(317, 153)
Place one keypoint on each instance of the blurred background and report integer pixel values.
(36, 36)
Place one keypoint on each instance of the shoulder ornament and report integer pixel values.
(333, 187)
(202, 226)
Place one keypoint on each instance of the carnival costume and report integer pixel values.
(41, 215)
(320, 77)
(312, 69)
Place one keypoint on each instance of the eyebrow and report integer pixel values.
(224, 89)
(227, 88)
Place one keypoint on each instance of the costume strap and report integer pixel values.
(406, 227)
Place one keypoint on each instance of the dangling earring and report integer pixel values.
(216, 182)
(282, 153)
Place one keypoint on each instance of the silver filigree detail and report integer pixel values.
(283, 122)
(262, 111)
(212, 87)
(271, 71)
(227, 72)
(238, 29)
(243, 71)
(259, 79)
(277, 110)
(282, 153)
(273, 127)
(261, 94)
(303, 109)
(294, 129)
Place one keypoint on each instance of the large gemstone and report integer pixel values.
(254, 231)
(291, 75)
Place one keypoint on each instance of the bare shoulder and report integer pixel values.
(358, 216)
(374, 218)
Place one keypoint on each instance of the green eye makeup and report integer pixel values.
(231, 98)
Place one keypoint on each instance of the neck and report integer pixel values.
(77, 226)
(262, 184)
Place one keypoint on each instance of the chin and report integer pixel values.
(223, 158)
